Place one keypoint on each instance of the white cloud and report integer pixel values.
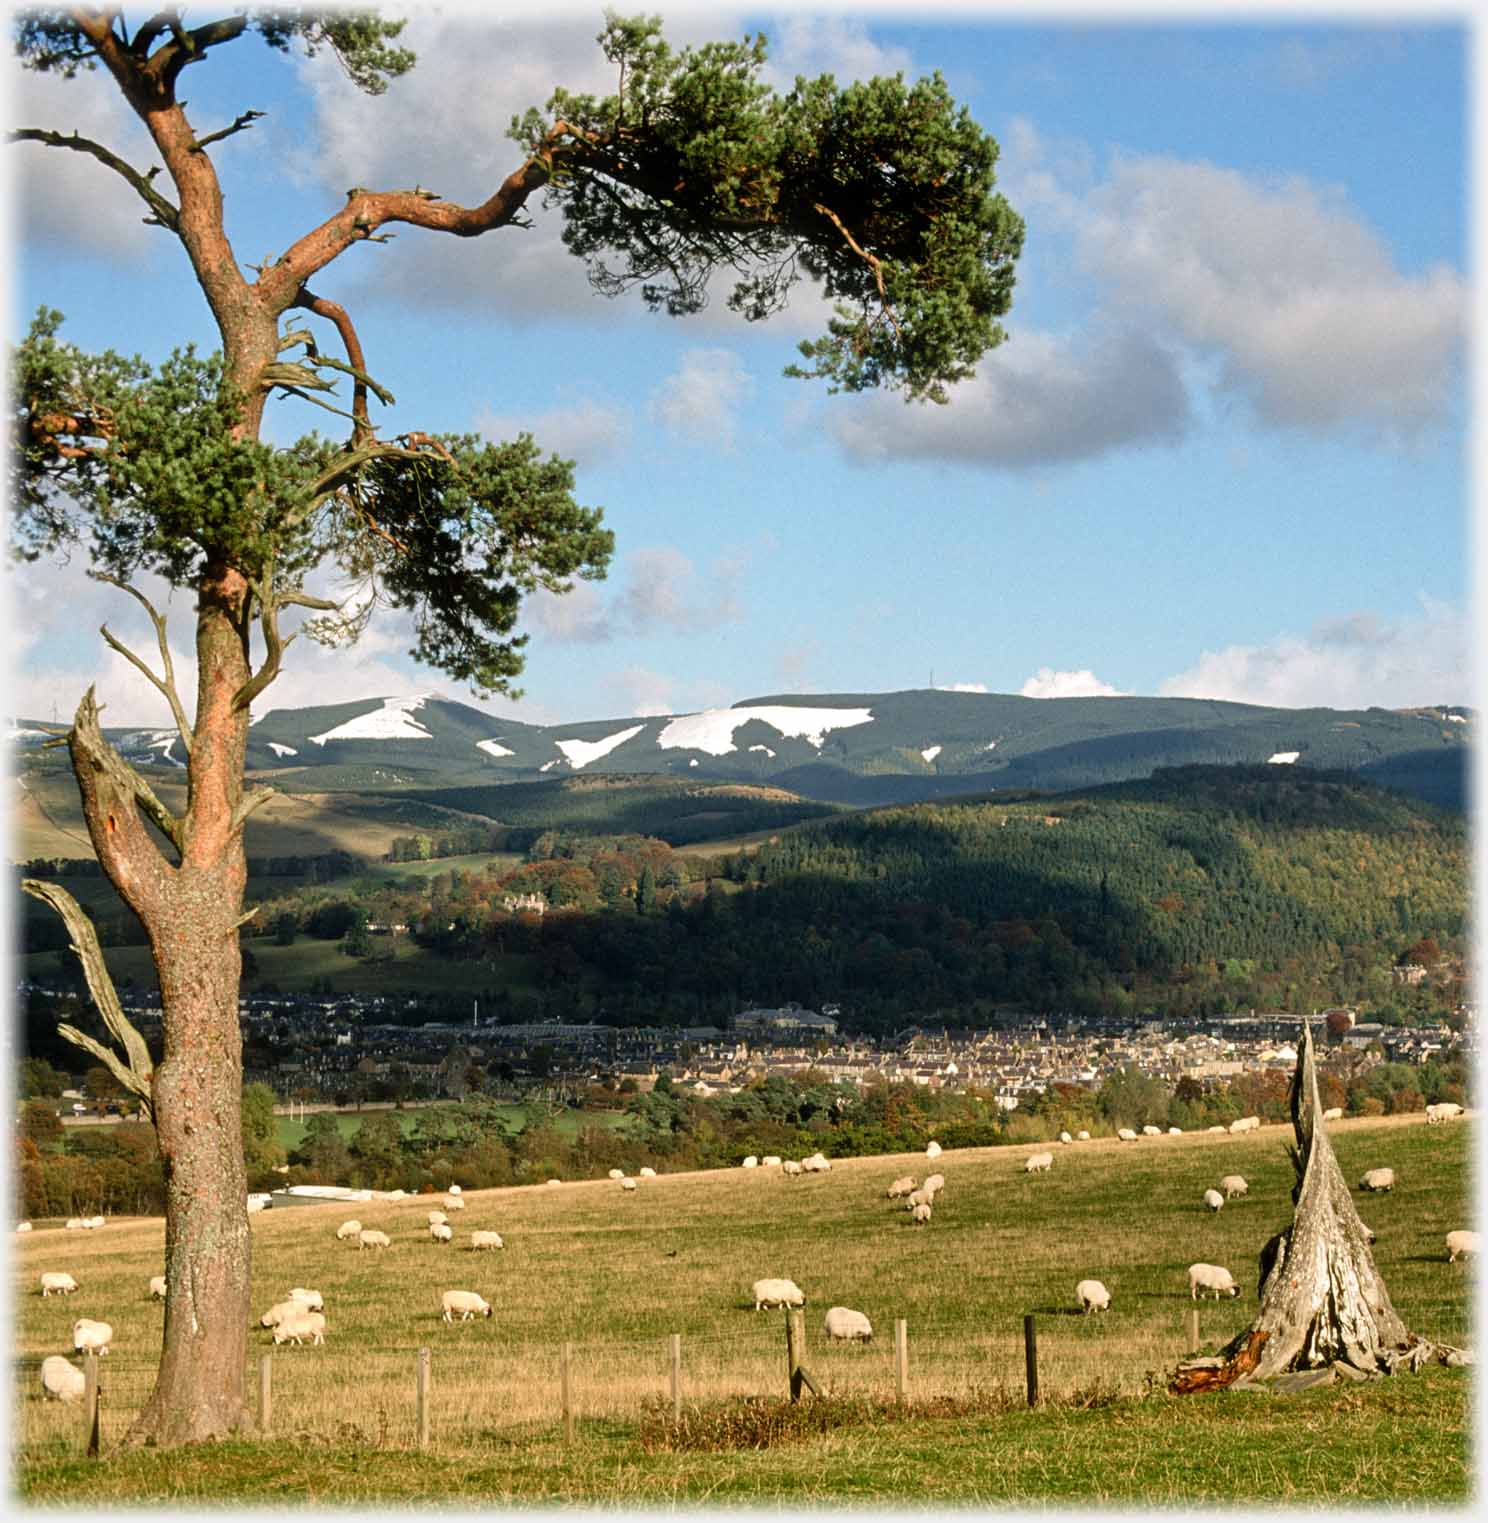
(1047, 683)
(827, 44)
(1038, 400)
(701, 400)
(587, 432)
(1350, 663)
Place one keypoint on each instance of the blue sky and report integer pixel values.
(1223, 454)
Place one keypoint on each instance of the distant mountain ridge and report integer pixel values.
(854, 748)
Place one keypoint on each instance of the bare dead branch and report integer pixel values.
(253, 798)
(165, 214)
(336, 313)
(166, 686)
(241, 124)
(111, 778)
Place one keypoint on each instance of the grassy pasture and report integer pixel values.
(614, 1274)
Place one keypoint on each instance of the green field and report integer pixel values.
(615, 1274)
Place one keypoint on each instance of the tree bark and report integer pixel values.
(1323, 1302)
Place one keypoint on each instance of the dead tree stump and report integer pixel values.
(1323, 1305)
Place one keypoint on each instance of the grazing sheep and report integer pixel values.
(617, 1173)
(61, 1379)
(902, 1186)
(751, 1162)
(57, 1280)
(771, 1293)
(1215, 1277)
(1175, 1131)
(486, 1240)
(628, 1184)
(555, 1181)
(1378, 1179)
(790, 1167)
(453, 1190)
(1065, 1137)
(89, 1337)
(435, 1217)
(157, 1288)
(933, 1182)
(1093, 1296)
(279, 1311)
(1460, 1243)
(769, 1161)
(348, 1229)
(23, 1226)
(455, 1203)
(441, 1232)
(920, 1197)
(1245, 1124)
(842, 1322)
(1038, 1163)
(299, 1324)
(1152, 1131)
(73, 1224)
(818, 1163)
(921, 1213)
(370, 1237)
(649, 1173)
(466, 1302)
(1219, 1128)
(1333, 1113)
(1126, 1134)
(1446, 1110)
(1213, 1199)
(1233, 1185)
(932, 1150)
(311, 1298)
(1082, 1136)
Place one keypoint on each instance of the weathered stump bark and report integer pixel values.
(1323, 1304)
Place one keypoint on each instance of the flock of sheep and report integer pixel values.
(300, 1317)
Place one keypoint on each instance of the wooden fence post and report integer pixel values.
(795, 1346)
(423, 1398)
(568, 1416)
(901, 1358)
(265, 1393)
(1193, 1330)
(677, 1378)
(90, 1402)
(1030, 1355)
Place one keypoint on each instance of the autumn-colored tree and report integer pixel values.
(880, 192)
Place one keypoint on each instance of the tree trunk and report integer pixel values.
(1323, 1304)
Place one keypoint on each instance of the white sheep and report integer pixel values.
(1245, 1124)
(1219, 1128)
(1446, 1110)
(91, 1337)
(73, 1224)
(902, 1186)
(486, 1240)
(751, 1162)
(629, 1184)
(1378, 1180)
(844, 1323)
(1460, 1243)
(370, 1237)
(23, 1226)
(466, 1302)
(1213, 1199)
(555, 1181)
(1175, 1131)
(1065, 1137)
(617, 1173)
(933, 1183)
(279, 1311)
(157, 1287)
(301, 1323)
(647, 1172)
(771, 1293)
(932, 1150)
(453, 1190)
(1152, 1131)
(1207, 1277)
(1333, 1113)
(59, 1281)
(61, 1379)
(441, 1232)
(921, 1212)
(1038, 1163)
(818, 1163)
(1233, 1185)
(435, 1217)
(1126, 1134)
(920, 1197)
(454, 1203)
(311, 1298)
(769, 1161)
(1093, 1296)
(348, 1230)
(1082, 1136)
(791, 1168)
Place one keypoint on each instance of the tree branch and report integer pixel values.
(268, 620)
(870, 260)
(166, 215)
(240, 124)
(253, 799)
(107, 781)
(167, 687)
(334, 312)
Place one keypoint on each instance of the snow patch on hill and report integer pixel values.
(493, 748)
(713, 729)
(581, 752)
(279, 750)
(393, 721)
(1284, 756)
(930, 753)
